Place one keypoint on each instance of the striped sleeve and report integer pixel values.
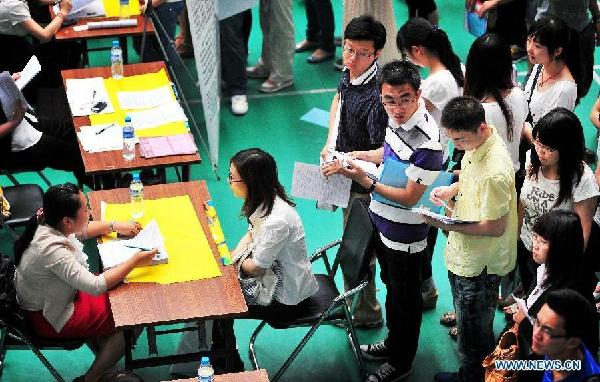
(425, 163)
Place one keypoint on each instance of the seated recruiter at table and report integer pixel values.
(275, 238)
(34, 143)
(19, 37)
(61, 297)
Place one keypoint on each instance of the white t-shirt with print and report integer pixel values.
(539, 196)
(517, 104)
(439, 88)
(560, 94)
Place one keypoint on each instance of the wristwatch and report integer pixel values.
(372, 188)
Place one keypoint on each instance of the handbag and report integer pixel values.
(258, 290)
(506, 350)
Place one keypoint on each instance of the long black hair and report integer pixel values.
(60, 201)
(419, 32)
(564, 261)
(489, 72)
(561, 130)
(553, 33)
(258, 171)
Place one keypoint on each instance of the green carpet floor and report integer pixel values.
(273, 123)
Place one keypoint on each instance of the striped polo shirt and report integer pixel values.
(417, 144)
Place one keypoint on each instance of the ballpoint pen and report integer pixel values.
(446, 206)
(104, 129)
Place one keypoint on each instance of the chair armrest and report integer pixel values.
(319, 253)
(352, 292)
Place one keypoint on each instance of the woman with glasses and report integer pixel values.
(60, 296)
(275, 241)
(556, 179)
(557, 249)
(428, 46)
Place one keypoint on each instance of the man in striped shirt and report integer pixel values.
(411, 140)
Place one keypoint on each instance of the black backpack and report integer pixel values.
(8, 293)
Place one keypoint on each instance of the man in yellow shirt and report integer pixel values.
(477, 254)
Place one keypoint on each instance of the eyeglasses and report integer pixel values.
(546, 331)
(231, 180)
(359, 55)
(541, 147)
(402, 102)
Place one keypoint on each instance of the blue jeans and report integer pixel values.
(475, 300)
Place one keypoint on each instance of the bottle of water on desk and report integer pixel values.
(124, 9)
(205, 371)
(217, 233)
(128, 140)
(116, 61)
(136, 192)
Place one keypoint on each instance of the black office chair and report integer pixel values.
(25, 200)
(328, 305)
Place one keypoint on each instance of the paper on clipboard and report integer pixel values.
(441, 218)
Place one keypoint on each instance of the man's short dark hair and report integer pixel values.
(400, 73)
(463, 114)
(366, 28)
(577, 313)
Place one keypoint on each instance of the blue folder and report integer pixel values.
(475, 25)
(394, 175)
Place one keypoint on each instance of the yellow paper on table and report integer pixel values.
(111, 7)
(139, 82)
(190, 255)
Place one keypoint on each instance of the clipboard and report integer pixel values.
(394, 175)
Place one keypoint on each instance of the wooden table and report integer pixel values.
(247, 376)
(67, 33)
(142, 304)
(112, 161)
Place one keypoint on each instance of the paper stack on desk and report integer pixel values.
(113, 253)
(83, 9)
(99, 138)
(180, 144)
(143, 99)
(83, 94)
(160, 115)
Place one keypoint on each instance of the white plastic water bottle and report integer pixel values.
(116, 61)
(124, 9)
(128, 140)
(136, 192)
(205, 371)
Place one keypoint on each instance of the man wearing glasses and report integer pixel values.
(357, 122)
(560, 330)
(412, 138)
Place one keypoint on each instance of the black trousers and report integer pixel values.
(57, 149)
(420, 8)
(320, 25)
(234, 53)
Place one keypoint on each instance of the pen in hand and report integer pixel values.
(446, 206)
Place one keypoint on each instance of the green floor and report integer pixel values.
(273, 123)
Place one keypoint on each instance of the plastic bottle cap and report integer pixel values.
(127, 119)
(204, 361)
(115, 42)
(136, 177)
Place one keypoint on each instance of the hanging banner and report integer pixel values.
(204, 25)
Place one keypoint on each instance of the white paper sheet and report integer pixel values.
(347, 160)
(521, 304)
(309, 183)
(82, 94)
(116, 252)
(84, 8)
(112, 24)
(130, 100)
(30, 70)
(161, 115)
(99, 138)
(441, 218)
(10, 95)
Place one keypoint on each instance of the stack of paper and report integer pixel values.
(144, 99)
(99, 138)
(309, 183)
(180, 144)
(10, 95)
(116, 252)
(441, 218)
(83, 9)
(158, 116)
(83, 94)
(30, 70)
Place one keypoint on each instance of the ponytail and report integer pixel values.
(443, 50)
(574, 63)
(25, 239)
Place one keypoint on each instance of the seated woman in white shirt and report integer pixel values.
(276, 235)
(30, 143)
(61, 297)
(552, 82)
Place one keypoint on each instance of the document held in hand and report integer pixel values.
(309, 183)
(440, 218)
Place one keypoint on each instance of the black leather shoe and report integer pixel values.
(305, 46)
(316, 60)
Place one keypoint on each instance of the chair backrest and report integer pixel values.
(8, 293)
(354, 253)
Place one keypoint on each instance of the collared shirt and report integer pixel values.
(486, 191)
(362, 119)
(416, 143)
(279, 236)
(589, 368)
(51, 271)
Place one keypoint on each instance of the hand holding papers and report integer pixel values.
(10, 95)
(84, 94)
(309, 183)
(30, 70)
(116, 252)
(440, 218)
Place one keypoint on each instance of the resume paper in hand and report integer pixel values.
(309, 183)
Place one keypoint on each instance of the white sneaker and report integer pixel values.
(239, 105)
